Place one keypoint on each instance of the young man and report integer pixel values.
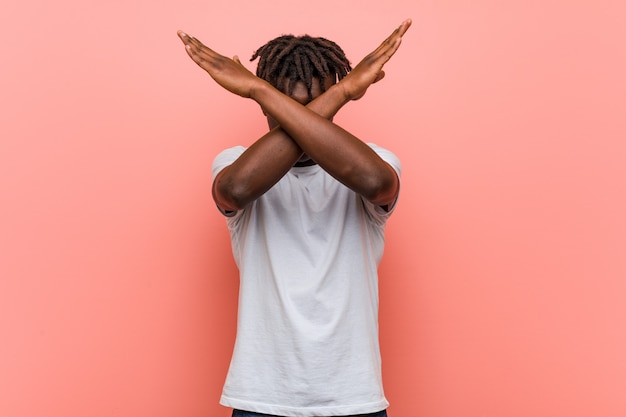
(306, 206)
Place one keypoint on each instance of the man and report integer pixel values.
(306, 207)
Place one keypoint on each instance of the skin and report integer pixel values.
(301, 130)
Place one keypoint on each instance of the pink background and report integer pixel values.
(503, 287)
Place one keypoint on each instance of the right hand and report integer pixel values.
(370, 69)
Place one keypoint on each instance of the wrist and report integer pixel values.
(330, 102)
(259, 88)
(339, 93)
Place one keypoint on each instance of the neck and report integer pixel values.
(306, 163)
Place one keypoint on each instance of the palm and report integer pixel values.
(229, 73)
(370, 69)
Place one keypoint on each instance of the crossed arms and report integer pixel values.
(303, 129)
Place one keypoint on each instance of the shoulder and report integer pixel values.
(225, 158)
(378, 213)
(387, 156)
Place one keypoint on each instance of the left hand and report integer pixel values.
(229, 73)
(370, 69)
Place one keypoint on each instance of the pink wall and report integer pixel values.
(503, 287)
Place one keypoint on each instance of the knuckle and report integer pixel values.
(370, 59)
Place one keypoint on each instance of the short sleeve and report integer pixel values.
(377, 212)
(221, 161)
(225, 158)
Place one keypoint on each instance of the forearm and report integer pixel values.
(337, 151)
(266, 161)
(342, 155)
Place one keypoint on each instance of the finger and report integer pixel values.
(190, 40)
(401, 30)
(387, 48)
(193, 54)
(379, 77)
(200, 56)
(404, 27)
(398, 33)
(185, 37)
(198, 47)
(392, 42)
(203, 58)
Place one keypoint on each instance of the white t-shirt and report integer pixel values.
(307, 335)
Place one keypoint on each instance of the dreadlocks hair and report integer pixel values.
(290, 59)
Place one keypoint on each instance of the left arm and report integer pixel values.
(337, 151)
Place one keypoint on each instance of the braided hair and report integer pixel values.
(290, 59)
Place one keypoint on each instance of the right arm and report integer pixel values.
(267, 160)
(338, 152)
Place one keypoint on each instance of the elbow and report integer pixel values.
(381, 189)
(230, 195)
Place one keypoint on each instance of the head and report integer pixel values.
(315, 62)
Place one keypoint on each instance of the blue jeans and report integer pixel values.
(241, 413)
